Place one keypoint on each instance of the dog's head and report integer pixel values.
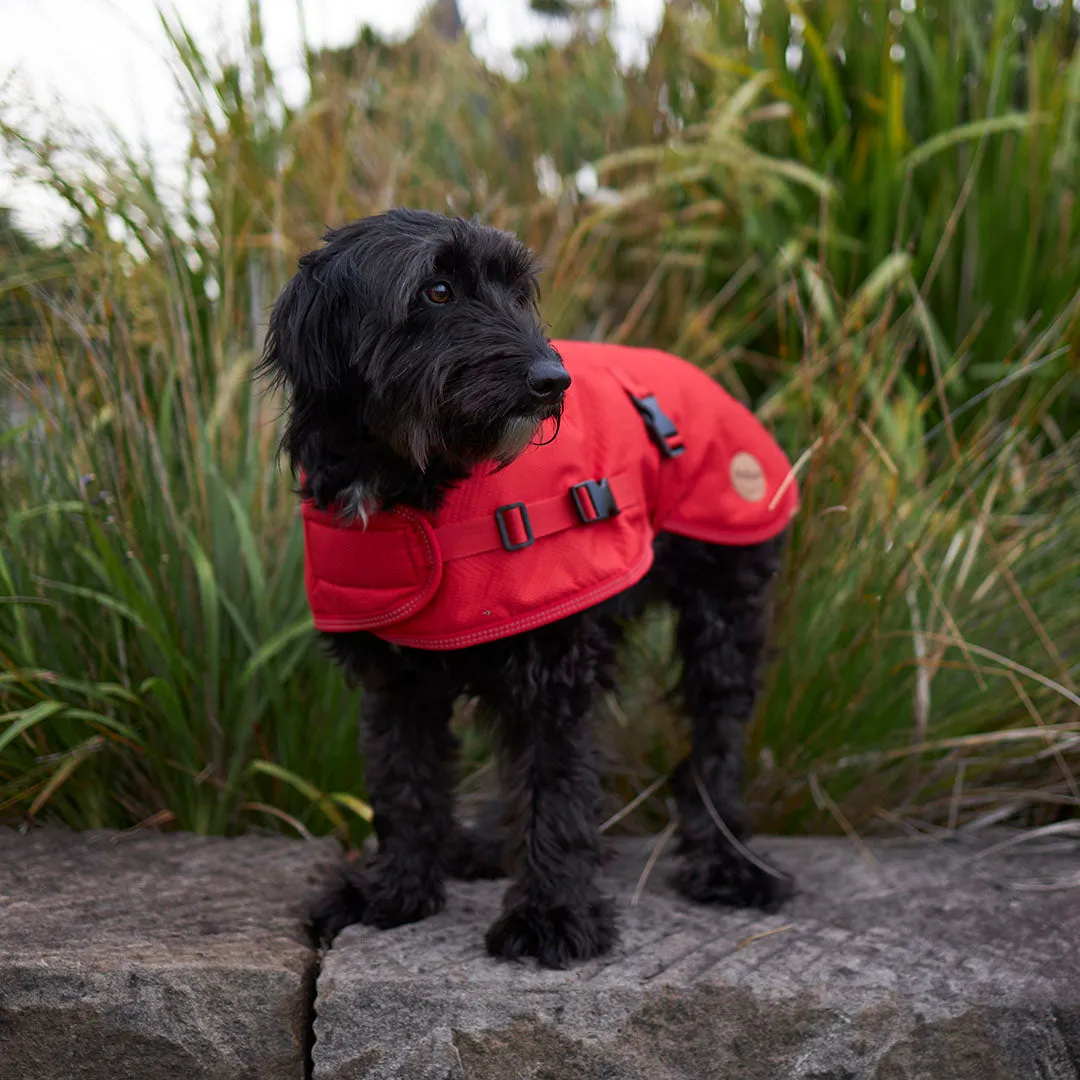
(414, 333)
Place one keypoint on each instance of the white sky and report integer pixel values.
(102, 63)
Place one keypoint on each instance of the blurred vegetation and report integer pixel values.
(860, 217)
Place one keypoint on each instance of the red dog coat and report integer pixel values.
(648, 444)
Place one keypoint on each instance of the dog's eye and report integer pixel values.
(439, 293)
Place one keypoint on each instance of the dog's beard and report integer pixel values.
(420, 443)
(518, 434)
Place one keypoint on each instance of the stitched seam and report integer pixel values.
(567, 607)
(398, 613)
(420, 598)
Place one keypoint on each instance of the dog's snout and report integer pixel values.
(548, 379)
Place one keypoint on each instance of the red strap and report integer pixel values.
(628, 384)
(671, 443)
(546, 516)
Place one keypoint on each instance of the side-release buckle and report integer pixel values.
(595, 496)
(504, 532)
(660, 426)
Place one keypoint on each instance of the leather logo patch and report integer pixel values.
(748, 477)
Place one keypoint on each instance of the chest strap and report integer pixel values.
(519, 525)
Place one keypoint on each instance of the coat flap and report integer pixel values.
(359, 578)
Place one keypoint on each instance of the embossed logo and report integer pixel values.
(748, 477)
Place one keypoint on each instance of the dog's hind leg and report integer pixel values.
(721, 594)
(547, 682)
(411, 759)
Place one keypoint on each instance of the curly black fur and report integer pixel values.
(392, 398)
(389, 393)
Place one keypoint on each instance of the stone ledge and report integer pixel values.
(154, 957)
(925, 965)
(182, 957)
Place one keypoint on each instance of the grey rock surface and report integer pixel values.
(930, 963)
(154, 957)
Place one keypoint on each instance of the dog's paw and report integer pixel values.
(390, 902)
(475, 855)
(341, 904)
(374, 898)
(556, 935)
(732, 881)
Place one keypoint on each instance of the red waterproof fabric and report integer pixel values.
(445, 580)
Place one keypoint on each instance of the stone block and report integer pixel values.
(155, 957)
(928, 963)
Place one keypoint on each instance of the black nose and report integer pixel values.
(548, 378)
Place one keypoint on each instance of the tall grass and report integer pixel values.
(839, 236)
(926, 623)
(154, 642)
(952, 132)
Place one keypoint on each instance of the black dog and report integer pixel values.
(412, 350)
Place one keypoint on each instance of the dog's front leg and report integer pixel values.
(553, 909)
(411, 758)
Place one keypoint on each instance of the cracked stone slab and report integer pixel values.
(161, 957)
(924, 961)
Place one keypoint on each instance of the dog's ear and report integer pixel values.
(302, 352)
(307, 353)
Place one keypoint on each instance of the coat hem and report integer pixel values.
(532, 621)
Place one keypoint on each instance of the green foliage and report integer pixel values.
(952, 132)
(929, 578)
(152, 638)
(926, 627)
(27, 264)
(878, 250)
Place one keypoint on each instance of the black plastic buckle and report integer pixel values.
(501, 523)
(659, 425)
(601, 498)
